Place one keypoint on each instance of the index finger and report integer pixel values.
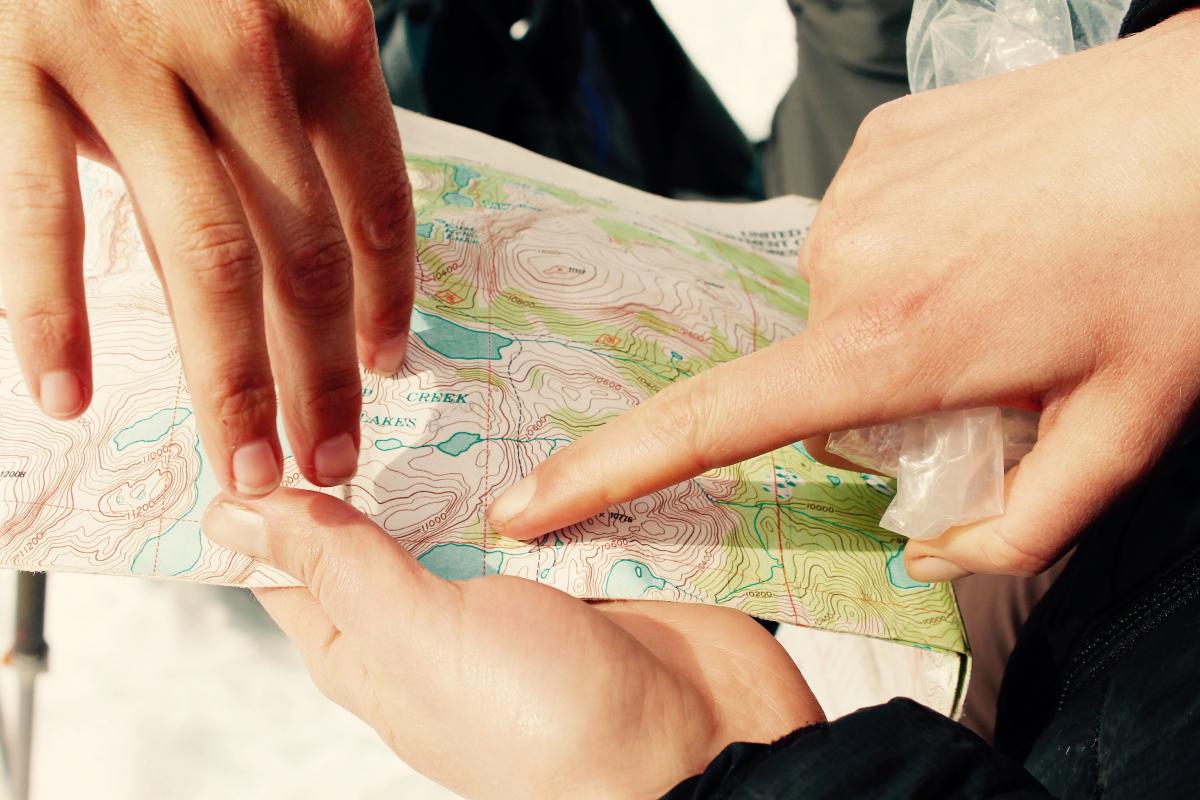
(212, 275)
(825, 380)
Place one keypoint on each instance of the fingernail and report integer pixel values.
(60, 393)
(237, 527)
(931, 569)
(255, 469)
(389, 357)
(336, 459)
(509, 505)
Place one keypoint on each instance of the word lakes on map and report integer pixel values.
(549, 302)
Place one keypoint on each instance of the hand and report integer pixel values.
(258, 142)
(500, 686)
(1026, 240)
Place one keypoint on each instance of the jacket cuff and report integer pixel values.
(1145, 14)
(897, 750)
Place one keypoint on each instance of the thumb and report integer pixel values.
(349, 564)
(1073, 472)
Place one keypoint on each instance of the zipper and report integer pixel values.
(1181, 587)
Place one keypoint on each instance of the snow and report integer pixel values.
(160, 689)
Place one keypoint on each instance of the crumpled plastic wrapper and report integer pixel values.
(952, 41)
(949, 466)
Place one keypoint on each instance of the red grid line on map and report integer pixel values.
(168, 518)
(774, 468)
(481, 289)
(166, 463)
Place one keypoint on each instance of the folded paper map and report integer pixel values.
(549, 301)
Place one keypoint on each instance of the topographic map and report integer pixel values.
(549, 301)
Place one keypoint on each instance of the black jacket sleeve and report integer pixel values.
(1145, 14)
(897, 750)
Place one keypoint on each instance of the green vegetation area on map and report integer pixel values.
(801, 530)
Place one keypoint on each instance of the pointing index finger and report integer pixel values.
(811, 384)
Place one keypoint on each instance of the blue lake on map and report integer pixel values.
(630, 579)
(463, 175)
(455, 445)
(898, 576)
(455, 198)
(455, 341)
(459, 443)
(177, 548)
(458, 562)
(152, 428)
(462, 179)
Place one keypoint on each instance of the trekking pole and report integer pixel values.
(28, 656)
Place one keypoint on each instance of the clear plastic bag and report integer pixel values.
(949, 466)
(952, 41)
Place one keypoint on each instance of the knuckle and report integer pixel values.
(20, 33)
(350, 35)
(859, 336)
(815, 252)
(881, 137)
(879, 123)
(843, 240)
(335, 679)
(241, 402)
(39, 193)
(390, 318)
(885, 115)
(880, 321)
(871, 349)
(222, 258)
(340, 394)
(322, 574)
(688, 424)
(12, 14)
(136, 25)
(258, 30)
(328, 564)
(386, 226)
(864, 138)
(1004, 557)
(53, 327)
(318, 277)
(812, 257)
